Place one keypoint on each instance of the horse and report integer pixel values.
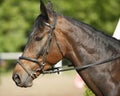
(55, 37)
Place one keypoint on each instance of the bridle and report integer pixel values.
(44, 52)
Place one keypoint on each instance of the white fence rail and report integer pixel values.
(10, 56)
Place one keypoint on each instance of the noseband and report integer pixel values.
(44, 51)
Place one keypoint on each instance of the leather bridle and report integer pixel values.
(44, 51)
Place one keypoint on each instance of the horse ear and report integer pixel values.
(50, 6)
(43, 10)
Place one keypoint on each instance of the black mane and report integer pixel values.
(92, 29)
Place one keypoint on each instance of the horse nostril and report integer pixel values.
(17, 79)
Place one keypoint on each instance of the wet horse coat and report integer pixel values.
(81, 44)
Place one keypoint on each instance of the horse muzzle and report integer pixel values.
(22, 81)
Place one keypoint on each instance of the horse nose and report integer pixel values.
(17, 79)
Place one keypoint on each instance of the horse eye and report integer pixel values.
(38, 38)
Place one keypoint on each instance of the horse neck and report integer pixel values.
(86, 44)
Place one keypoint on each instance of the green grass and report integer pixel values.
(88, 92)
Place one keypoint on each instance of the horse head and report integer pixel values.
(44, 47)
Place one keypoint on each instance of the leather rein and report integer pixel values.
(45, 51)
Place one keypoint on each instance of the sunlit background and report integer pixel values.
(16, 21)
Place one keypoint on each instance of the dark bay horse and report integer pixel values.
(55, 37)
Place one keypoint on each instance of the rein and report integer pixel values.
(44, 52)
(65, 68)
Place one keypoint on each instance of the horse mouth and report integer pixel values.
(25, 85)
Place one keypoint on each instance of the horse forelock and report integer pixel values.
(38, 22)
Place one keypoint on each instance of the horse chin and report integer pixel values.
(28, 85)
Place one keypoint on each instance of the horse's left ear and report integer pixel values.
(43, 10)
(49, 7)
(47, 10)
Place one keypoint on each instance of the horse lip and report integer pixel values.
(25, 85)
